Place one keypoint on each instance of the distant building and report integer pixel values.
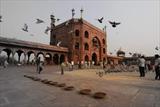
(84, 41)
(120, 53)
(114, 59)
(134, 60)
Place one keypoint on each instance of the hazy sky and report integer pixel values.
(139, 30)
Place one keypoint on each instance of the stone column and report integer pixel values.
(19, 56)
(24, 59)
(13, 53)
(28, 58)
(51, 60)
(59, 58)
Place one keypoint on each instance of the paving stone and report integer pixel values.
(125, 89)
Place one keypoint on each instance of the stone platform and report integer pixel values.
(123, 89)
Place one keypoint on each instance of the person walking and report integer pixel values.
(5, 63)
(142, 66)
(72, 64)
(157, 67)
(40, 67)
(38, 63)
(62, 68)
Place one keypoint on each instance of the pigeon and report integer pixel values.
(58, 43)
(110, 53)
(58, 20)
(114, 24)
(47, 29)
(39, 21)
(25, 28)
(0, 18)
(156, 48)
(130, 53)
(100, 20)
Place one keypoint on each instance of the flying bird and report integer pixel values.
(0, 18)
(58, 20)
(110, 53)
(100, 20)
(156, 48)
(47, 29)
(58, 43)
(130, 53)
(114, 24)
(25, 28)
(39, 21)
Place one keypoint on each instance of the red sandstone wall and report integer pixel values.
(63, 33)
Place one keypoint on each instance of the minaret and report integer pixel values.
(81, 12)
(52, 36)
(53, 20)
(73, 13)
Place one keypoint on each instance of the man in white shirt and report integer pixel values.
(72, 64)
(142, 66)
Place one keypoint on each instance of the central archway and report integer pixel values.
(94, 58)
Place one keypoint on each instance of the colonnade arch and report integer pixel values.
(8, 53)
(41, 55)
(19, 54)
(23, 56)
(48, 58)
(31, 55)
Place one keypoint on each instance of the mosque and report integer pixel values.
(84, 41)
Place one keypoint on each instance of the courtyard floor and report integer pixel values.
(123, 89)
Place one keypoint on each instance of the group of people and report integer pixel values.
(142, 66)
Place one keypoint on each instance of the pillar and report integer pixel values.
(19, 56)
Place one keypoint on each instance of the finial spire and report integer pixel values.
(73, 13)
(53, 20)
(81, 12)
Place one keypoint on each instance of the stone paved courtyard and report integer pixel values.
(125, 89)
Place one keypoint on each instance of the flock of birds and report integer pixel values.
(38, 21)
(113, 23)
(100, 20)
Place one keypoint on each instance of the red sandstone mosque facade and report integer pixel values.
(84, 41)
